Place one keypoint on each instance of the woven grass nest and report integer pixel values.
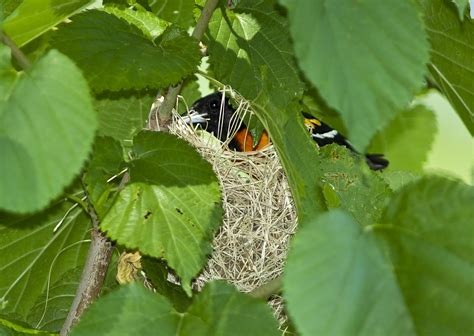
(251, 245)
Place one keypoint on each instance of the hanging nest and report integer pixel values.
(251, 245)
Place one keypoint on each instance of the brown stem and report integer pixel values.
(93, 274)
(268, 289)
(22, 60)
(164, 111)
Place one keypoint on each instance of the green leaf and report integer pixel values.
(131, 310)
(282, 119)
(176, 11)
(123, 115)
(34, 17)
(13, 328)
(47, 127)
(217, 311)
(190, 93)
(452, 64)
(150, 25)
(249, 45)
(226, 311)
(33, 257)
(115, 55)
(157, 272)
(367, 58)
(461, 5)
(172, 207)
(106, 162)
(361, 192)
(429, 229)
(406, 140)
(338, 282)
(7, 7)
(51, 308)
(397, 179)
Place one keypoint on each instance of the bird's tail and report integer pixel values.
(376, 161)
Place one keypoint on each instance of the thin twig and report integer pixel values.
(23, 61)
(166, 107)
(266, 290)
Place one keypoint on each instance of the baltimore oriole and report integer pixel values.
(222, 122)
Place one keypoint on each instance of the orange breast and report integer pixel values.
(245, 142)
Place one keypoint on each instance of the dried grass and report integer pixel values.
(259, 215)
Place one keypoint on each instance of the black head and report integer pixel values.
(214, 114)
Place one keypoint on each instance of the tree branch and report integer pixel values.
(22, 60)
(164, 111)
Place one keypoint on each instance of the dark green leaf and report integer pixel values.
(176, 11)
(406, 140)
(115, 55)
(51, 308)
(461, 5)
(249, 45)
(452, 63)
(172, 207)
(157, 272)
(34, 17)
(106, 162)
(33, 257)
(338, 282)
(429, 231)
(283, 121)
(367, 58)
(47, 126)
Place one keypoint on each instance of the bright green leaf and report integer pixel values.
(34, 17)
(115, 55)
(367, 58)
(172, 207)
(429, 230)
(33, 257)
(361, 192)
(338, 282)
(47, 126)
(452, 61)
(219, 310)
(255, 48)
(123, 115)
(407, 139)
(225, 311)
(176, 11)
(13, 328)
(149, 24)
(397, 179)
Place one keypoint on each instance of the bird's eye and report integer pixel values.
(214, 104)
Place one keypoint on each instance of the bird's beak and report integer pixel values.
(194, 117)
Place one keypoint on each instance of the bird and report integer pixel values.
(216, 115)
